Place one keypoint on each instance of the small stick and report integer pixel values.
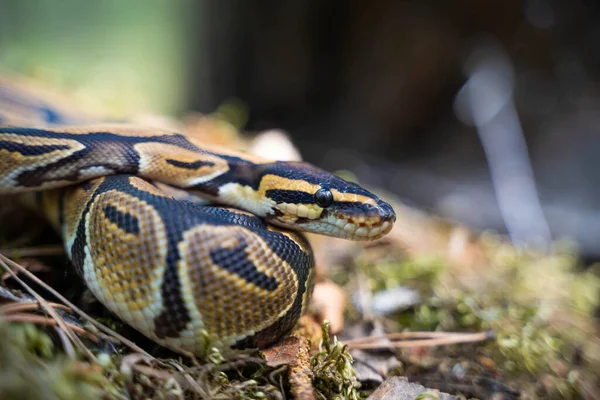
(49, 309)
(67, 345)
(56, 250)
(405, 335)
(75, 309)
(450, 338)
(42, 320)
(11, 308)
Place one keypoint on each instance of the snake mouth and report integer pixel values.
(351, 221)
(353, 230)
(370, 224)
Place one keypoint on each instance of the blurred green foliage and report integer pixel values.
(130, 56)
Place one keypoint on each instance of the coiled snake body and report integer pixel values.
(184, 275)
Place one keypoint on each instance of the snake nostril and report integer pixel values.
(386, 212)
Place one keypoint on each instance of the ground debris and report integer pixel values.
(534, 308)
(301, 375)
(334, 377)
(540, 306)
(397, 388)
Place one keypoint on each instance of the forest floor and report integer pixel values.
(459, 312)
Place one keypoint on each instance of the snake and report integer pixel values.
(236, 273)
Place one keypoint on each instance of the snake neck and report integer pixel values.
(239, 186)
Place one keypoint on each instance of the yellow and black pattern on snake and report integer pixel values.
(297, 196)
(182, 274)
(177, 271)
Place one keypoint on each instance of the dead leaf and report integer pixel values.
(282, 353)
(294, 352)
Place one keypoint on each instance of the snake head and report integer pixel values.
(302, 197)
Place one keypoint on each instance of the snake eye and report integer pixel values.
(324, 198)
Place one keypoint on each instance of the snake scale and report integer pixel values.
(185, 275)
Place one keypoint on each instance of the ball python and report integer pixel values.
(235, 274)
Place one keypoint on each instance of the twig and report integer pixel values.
(56, 250)
(11, 308)
(190, 380)
(405, 335)
(432, 339)
(4, 263)
(4, 260)
(42, 320)
(67, 345)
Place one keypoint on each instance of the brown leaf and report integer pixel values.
(294, 352)
(282, 353)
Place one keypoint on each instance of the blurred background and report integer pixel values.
(485, 113)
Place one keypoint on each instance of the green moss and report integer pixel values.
(444, 315)
(539, 305)
(334, 377)
(30, 369)
(418, 273)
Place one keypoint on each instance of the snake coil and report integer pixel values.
(184, 275)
